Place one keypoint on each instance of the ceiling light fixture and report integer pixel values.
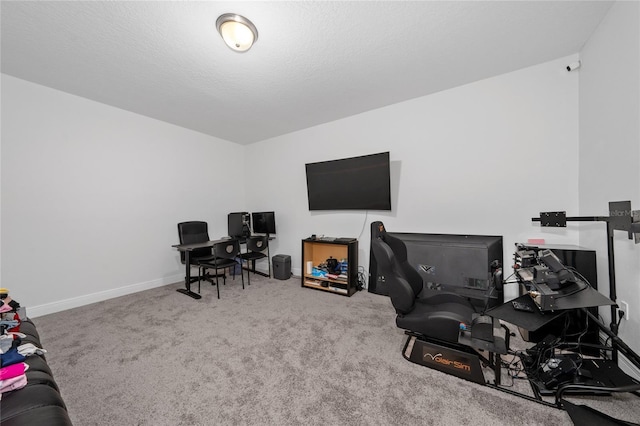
(238, 32)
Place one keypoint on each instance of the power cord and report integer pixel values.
(620, 316)
(362, 279)
(514, 368)
(364, 223)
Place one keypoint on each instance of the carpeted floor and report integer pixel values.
(274, 353)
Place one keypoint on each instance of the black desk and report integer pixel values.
(187, 249)
(530, 321)
(550, 300)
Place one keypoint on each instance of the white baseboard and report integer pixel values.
(626, 366)
(74, 302)
(265, 269)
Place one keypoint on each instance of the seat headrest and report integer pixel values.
(400, 291)
(378, 230)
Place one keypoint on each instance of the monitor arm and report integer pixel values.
(622, 218)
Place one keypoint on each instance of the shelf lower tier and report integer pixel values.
(313, 282)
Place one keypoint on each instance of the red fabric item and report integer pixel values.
(15, 329)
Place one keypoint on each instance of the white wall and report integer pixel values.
(91, 196)
(610, 149)
(87, 187)
(478, 159)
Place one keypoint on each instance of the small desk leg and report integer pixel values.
(497, 360)
(187, 279)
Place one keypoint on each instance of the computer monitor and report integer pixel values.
(264, 223)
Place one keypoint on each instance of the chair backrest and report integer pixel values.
(401, 291)
(400, 251)
(194, 232)
(258, 243)
(228, 249)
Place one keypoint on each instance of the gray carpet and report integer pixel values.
(274, 353)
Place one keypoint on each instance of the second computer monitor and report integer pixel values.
(264, 223)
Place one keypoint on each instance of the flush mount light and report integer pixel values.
(238, 32)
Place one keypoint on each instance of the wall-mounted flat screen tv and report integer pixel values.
(356, 183)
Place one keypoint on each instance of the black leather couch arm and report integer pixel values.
(39, 402)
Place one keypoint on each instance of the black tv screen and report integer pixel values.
(264, 222)
(357, 183)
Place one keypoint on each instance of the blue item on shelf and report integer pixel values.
(318, 272)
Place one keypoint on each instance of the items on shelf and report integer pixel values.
(332, 269)
(330, 265)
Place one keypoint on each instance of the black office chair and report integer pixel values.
(225, 255)
(430, 313)
(196, 232)
(257, 248)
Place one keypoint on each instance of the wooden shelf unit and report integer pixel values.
(318, 251)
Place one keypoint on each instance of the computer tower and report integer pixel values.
(573, 323)
(239, 225)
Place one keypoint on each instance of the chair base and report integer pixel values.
(456, 360)
(203, 276)
(255, 271)
(212, 278)
(189, 293)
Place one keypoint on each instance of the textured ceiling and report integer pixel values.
(314, 62)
